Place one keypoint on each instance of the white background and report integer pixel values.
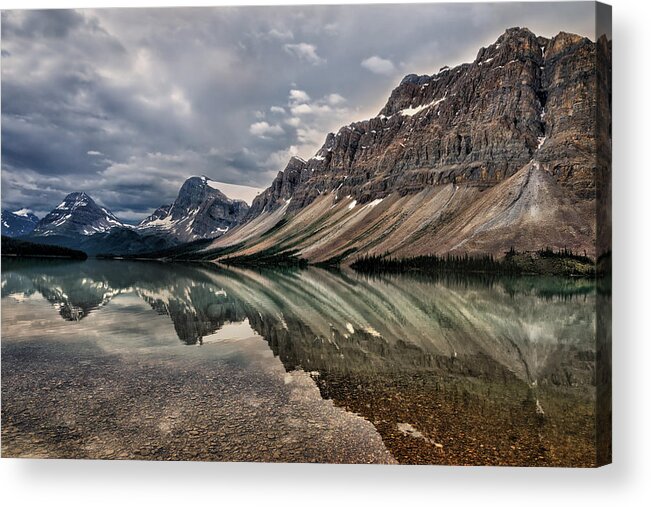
(626, 482)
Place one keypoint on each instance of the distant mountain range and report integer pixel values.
(77, 215)
(511, 151)
(201, 210)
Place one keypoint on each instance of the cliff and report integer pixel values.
(498, 153)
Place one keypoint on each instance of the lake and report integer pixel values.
(148, 360)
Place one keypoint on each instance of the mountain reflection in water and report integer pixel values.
(457, 371)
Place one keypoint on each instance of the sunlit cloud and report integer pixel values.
(379, 65)
(304, 52)
(262, 129)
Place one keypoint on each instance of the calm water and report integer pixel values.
(116, 359)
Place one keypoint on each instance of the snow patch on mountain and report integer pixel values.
(235, 192)
(411, 111)
(78, 214)
(202, 209)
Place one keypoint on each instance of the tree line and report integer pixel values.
(512, 263)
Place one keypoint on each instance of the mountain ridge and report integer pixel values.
(200, 211)
(77, 214)
(518, 120)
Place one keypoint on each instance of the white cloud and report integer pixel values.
(378, 65)
(312, 137)
(293, 121)
(298, 97)
(314, 108)
(94, 153)
(275, 33)
(277, 109)
(263, 129)
(311, 119)
(335, 99)
(302, 109)
(180, 101)
(301, 104)
(305, 52)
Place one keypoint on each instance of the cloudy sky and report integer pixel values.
(125, 104)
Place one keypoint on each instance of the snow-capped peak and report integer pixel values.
(75, 200)
(77, 214)
(203, 208)
(23, 212)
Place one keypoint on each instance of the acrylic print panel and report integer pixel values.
(277, 234)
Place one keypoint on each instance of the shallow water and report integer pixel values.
(145, 360)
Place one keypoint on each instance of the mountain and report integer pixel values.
(77, 215)
(200, 211)
(79, 222)
(18, 223)
(502, 152)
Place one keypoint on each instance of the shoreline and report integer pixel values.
(376, 266)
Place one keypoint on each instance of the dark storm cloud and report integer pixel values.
(127, 103)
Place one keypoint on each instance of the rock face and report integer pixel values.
(159, 214)
(199, 211)
(519, 120)
(282, 188)
(477, 123)
(77, 215)
(18, 223)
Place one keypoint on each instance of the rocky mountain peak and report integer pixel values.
(513, 44)
(282, 187)
(158, 214)
(78, 196)
(193, 193)
(77, 214)
(415, 79)
(565, 42)
(76, 199)
(199, 211)
(517, 34)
